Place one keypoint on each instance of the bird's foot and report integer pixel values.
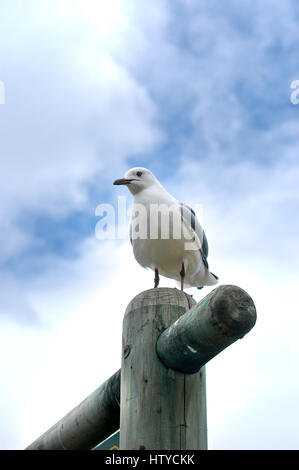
(182, 274)
(157, 279)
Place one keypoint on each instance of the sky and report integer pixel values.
(199, 92)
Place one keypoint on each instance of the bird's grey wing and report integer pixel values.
(189, 217)
(131, 240)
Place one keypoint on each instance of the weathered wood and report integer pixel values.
(92, 421)
(160, 408)
(223, 316)
(163, 402)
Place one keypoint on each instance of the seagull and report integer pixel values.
(165, 234)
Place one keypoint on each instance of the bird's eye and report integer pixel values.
(139, 173)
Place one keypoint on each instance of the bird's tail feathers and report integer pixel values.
(210, 279)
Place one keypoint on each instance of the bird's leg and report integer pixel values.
(156, 277)
(182, 274)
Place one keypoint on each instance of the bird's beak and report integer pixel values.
(123, 181)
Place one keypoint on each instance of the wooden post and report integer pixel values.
(92, 421)
(222, 317)
(160, 408)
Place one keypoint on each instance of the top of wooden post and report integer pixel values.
(161, 296)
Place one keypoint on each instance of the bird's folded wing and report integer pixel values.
(190, 220)
(131, 239)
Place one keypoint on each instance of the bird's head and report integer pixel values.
(137, 179)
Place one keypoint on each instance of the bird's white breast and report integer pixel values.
(157, 237)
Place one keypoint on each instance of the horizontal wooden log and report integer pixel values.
(92, 421)
(222, 317)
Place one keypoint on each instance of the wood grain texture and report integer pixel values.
(161, 409)
(222, 317)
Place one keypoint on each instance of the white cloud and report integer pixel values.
(71, 115)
